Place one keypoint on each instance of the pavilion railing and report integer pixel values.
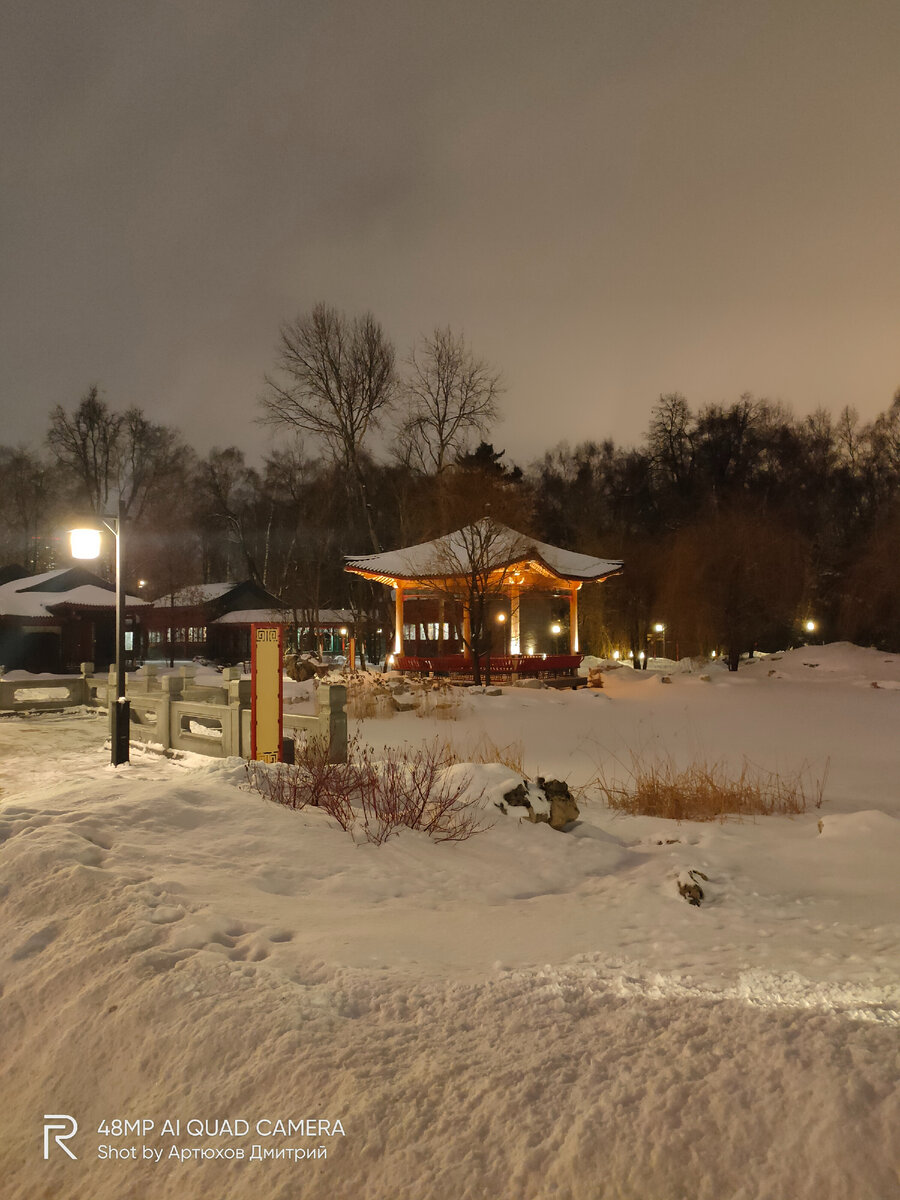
(506, 666)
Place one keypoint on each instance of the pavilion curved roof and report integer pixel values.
(486, 543)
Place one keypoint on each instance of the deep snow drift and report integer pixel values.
(524, 1014)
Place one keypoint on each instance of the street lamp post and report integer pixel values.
(659, 629)
(85, 543)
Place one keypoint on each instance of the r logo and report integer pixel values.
(71, 1127)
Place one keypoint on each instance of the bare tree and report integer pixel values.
(670, 442)
(450, 395)
(736, 577)
(228, 494)
(105, 452)
(472, 564)
(25, 502)
(86, 443)
(336, 381)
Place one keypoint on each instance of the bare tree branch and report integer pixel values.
(450, 395)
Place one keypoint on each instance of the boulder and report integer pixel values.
(545, 802)
(299, 669)
(563, 808)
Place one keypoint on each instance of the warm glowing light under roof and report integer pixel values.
(501, 617)
(84, 543)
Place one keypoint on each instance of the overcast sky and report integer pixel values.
(611, 200)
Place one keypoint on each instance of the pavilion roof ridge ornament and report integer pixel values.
(448, 555)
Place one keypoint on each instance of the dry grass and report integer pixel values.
(708, 792)
(368, 698)
(441, 703)
(486, 750)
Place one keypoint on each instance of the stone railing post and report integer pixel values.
(87, 671)
(171, 690)
(238, 689)
(332, 702)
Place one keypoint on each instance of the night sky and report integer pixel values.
(611, 200)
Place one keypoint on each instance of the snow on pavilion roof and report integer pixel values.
(485, 542)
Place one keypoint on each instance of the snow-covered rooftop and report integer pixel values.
(20, 598)
(486, 543)
(252, 616)
(194, 593)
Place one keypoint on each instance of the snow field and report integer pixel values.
(525, 1014)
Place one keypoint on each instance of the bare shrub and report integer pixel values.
(707, 792)
(310, 781)
(406, 787)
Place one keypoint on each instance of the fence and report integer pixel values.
(175, 713)
(48, 693)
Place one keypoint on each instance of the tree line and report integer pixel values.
(737, 522)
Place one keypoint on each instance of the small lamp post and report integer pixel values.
(659, 629)
(85, 543)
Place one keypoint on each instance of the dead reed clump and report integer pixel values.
(486, 750)
(441, 702)
(368, 698)
(708, 792)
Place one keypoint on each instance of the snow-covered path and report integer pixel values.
(526, 1014)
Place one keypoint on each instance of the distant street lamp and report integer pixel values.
(85, 543)
(810, 627)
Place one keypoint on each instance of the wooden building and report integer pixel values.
(57, 620)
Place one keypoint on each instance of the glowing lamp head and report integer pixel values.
(810, 626)
(658, 627)
(84, 543)
(344, 631)
(641, 656)
(501, 617)
(615, 654)
(556, 627)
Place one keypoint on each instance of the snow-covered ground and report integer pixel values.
(526, 1014)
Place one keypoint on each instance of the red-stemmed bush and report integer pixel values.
(407, 787)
